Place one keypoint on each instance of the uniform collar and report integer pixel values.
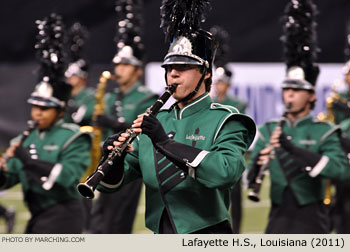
(299, 121)
(42, 133)
(196, 105)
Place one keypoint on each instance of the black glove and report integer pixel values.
(35, 167)
(108, 142)
(341, 106)
(70, 109)
(302, 155)
(114, 175)
(106, 121)
(153, 129)
(180, 154)
(22, 154)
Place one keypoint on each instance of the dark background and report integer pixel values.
(254, 27)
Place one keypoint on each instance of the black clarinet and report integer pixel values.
(253, 195)
(87, 188)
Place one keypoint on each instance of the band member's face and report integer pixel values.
(187, 77)
(298, 98)
(75, 81)
(221, 88)
(45, 116)
(127, 74)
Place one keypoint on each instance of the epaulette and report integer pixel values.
(316, 120)
(273, 121)
(228, 108)
(143, 89)
(71, 126)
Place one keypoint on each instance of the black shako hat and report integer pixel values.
(222, 71)
(130, 49)
(52, 90)
(76, 40)
(189, 44)
(300, 45)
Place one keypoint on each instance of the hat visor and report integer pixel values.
(180, 60)
(42, 102)
(297, 84)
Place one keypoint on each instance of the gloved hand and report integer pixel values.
(36, 167)
(301, 155)
(106, 121)
(344, 107)
(153, 129)
(70, 109)
(116, 173)
(22, 154)
(108, 142)
(180, 154)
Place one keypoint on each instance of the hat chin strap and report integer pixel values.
(194, 92)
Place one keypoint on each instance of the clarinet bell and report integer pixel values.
(253, 196)
(86, 191)
(87, 188)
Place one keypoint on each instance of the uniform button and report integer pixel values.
(182, 174)
(289, 137)
(308, 168)
(32, 146)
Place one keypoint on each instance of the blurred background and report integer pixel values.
(256, 60)
(254, 28)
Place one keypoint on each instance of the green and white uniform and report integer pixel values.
(235, 102)
(201, 197)
(115, 213)
(297, 190)
(316, 136)
(68, 150)
(134, 101)
(341, 107)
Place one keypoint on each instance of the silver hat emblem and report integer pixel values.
(181, 45)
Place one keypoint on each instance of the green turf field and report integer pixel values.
(254, 214)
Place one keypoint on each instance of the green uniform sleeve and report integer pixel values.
(11, 176)
(261, 143)
(333, 157)
(75, 159)
(224, 164)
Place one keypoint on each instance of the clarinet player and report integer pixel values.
(306, 151)
(191, 154)
(49, 159)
